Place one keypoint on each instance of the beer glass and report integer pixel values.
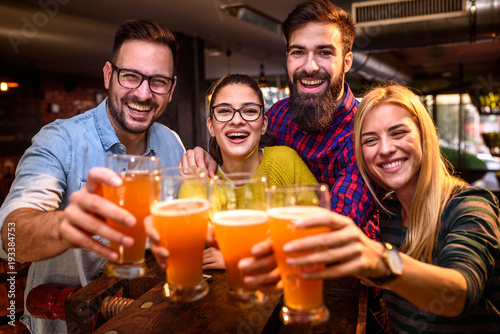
(303, 298)
(139, 189)
(239, 218)
(181, 219)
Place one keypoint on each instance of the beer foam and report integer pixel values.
(296, 212)
(180, 206)
(240, 217)
(131, 175)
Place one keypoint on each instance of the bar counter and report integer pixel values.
(151, 312)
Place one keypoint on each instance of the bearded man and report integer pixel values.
(316, 120)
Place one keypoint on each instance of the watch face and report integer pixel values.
(395, 263)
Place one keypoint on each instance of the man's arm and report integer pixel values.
(35, 234)
(350, 195)
(41, 235)
(198, 157)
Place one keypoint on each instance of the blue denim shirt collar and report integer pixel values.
(108, 136)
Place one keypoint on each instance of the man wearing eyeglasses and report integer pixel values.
(54, 209)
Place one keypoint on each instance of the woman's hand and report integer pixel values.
(345, 251)
(212, 259)
(261, 270)
(159, 252)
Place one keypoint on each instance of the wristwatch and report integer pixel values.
(394, 265)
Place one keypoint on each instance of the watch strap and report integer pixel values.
(389, 274)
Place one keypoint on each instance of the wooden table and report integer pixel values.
(152, 312)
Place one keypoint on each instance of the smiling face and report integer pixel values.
(391, 147)
(238, 139)
(133, 111)
(316, 68)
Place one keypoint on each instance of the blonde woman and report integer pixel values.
(438, 264)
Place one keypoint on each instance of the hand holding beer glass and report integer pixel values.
(139, 189)
(303, 298)
(240, 221)
(181, 219)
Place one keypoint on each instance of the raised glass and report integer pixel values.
(303, 298)
(140, 188)
(240, 221)
(181, 219)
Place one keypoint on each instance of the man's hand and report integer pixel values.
(198, 157)
(86, 214)
(42, 235)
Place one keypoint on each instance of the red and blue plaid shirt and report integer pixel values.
(330, 155)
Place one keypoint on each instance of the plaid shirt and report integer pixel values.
(330, 156)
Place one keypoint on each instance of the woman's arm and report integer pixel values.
(434, 289)
(346, 251)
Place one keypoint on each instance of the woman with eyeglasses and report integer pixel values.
(239, 139)
(241, 143)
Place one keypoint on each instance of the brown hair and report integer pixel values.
(321, 11)
(266, 139)
(145, 30)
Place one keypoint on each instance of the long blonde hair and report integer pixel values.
(435, 182)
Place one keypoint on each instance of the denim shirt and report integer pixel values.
(56, 165)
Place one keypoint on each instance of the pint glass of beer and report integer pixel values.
(239, 218)
(303, 298)
(141, 187)
(181, 219)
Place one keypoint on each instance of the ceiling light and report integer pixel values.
(5, 86)
(243, 12)
(214, 52)
(262, 77)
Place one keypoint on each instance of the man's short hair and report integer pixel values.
(321, 11)
(145, 30)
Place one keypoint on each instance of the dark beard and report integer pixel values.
(314, 112)
(119, 116)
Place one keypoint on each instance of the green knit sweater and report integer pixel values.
(283, 166)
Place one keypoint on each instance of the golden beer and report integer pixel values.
(239, 216)
(236, 232)
(182, 225)
(133, 195)
(140, 188)
(299, 294)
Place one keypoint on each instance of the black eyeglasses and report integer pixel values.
(249, 112)
(132, 80)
